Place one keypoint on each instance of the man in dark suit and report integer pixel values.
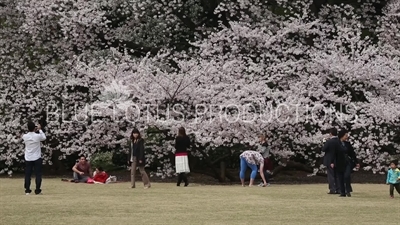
(344, 162)
(354, 162)
(330, 148)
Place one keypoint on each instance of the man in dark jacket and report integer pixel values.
(330, 148)
(345, 161)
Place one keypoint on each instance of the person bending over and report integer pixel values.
(82, 170)
(251, 159)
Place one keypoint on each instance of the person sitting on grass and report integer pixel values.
(82, 170)
(100, 176)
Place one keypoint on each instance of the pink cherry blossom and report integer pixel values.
(290, 76)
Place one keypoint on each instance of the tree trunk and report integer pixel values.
(222, 171)
(295, 165)
(58, 165)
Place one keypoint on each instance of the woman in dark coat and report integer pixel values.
(264, 149)
(137, 158)
(182, 143)
(345, 162)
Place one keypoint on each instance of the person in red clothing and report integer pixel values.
(100, 175)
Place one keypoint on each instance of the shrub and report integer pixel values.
(103, 159)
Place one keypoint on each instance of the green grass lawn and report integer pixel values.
(70, 203)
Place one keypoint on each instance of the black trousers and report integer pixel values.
(31, 166)
(392, 187)
(344, 179)
(182, 177)
(347, 178)
(333, 181)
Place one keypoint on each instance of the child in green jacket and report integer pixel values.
(393, 179)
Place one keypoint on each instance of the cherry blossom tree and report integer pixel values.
(36, 78)
(349, 76)
(225, 70)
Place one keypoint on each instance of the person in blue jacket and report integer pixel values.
(393, 179)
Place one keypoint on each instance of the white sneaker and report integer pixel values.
(27, 193)
(262, 184)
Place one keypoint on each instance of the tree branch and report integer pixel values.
(220, 158)
(139, 50)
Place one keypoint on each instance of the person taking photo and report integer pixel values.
(33, 156)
